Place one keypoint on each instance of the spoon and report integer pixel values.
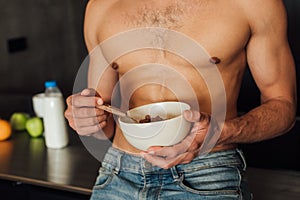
(116, 111)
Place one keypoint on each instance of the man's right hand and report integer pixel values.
(83, 115)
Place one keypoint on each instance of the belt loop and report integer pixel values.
(119, 163)
(142, 166)
(174, 173)
(241, 154)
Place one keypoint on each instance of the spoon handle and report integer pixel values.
(112, 110)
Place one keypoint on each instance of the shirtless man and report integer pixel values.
(238, 32)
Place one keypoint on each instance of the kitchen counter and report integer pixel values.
(74, 168)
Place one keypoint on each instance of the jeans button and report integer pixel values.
(147, 164)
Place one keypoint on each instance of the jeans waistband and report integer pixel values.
(118, 160)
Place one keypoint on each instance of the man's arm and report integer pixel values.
(272, 66)
(101, 77)
(82, 112)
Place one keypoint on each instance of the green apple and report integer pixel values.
(18, 120)
(35, 127)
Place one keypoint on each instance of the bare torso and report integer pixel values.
(219, 26)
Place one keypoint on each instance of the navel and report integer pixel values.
(114, 66)
(215, 60)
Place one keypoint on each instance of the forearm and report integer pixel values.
(271, 119)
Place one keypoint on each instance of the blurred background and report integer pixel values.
(43, 39)
(40, 40)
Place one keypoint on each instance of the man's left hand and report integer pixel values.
(185, 151)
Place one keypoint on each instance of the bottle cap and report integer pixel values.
(50, 84)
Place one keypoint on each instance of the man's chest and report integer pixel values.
(142, 32)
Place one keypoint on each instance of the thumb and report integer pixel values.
(89, 92)
(191, 115)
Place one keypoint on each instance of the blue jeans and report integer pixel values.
(215, 176)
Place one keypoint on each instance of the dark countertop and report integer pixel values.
(73, 168)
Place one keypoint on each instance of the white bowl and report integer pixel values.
(161, 133)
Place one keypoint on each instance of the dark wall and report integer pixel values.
(293, 8)
(294, 26)
(40, 40)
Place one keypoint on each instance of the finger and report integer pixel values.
(72, 125)
(86, 112)
(84, 122)
(88, 92)
(85, 92)
(165, 152)
(166, 163)
(162, 162)
(174, 150)
(89, 130)
(191, 115)
(88, 97)
(181, 159)
(86, 101)
(191, 143)
(199, 127)
(88, 126)
(69, 100)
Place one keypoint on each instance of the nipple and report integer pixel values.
(214, 60)
(115, 66)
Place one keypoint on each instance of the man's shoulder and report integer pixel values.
(97, 10)
(259, 3)
(261, 14)
(99, 6)
(259, 7)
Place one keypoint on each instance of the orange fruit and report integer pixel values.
(5, 129)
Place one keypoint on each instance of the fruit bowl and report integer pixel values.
(171, 130)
